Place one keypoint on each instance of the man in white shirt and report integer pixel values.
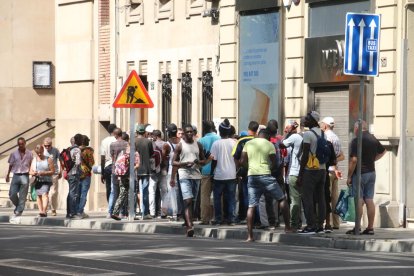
(224, 169)
(327, 124)
(106, 165)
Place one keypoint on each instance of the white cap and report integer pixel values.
(149, 129)
(329, 121)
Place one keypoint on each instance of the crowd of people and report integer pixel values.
(256, 178)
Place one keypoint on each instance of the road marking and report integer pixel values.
(302, 270)
(57, 268)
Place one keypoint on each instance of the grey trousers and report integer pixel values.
(18, 192)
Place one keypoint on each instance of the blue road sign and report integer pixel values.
(362, 44)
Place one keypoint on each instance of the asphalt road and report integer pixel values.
(37, 250)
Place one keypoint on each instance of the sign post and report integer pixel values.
(361, 59)
(132, 95)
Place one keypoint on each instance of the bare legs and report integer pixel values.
(42, 203)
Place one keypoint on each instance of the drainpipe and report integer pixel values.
(116, 55)
(403, 121)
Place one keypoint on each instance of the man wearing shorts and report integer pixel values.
(372, 150)
(260, 156)
(188, 157)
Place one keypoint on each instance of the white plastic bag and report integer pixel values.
(169, 204)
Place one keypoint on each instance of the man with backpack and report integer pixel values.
(72, 167)
(312, 174)
(157, 179)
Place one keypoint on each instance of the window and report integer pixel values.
(166, 85)
(135, 12)
(186, 97)
(207, 96)
(164, 9)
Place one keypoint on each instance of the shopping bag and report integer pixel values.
(350, 213)
(342, 205)
(169, 204)
(32, 193)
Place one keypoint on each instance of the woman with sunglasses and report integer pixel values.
(42, 168)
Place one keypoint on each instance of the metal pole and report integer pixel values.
(131, 194)
(359, 156)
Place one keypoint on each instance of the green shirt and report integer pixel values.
(258, 151)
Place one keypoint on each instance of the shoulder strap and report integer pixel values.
(171, 145)
(314, 132)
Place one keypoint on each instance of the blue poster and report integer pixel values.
(259, 69)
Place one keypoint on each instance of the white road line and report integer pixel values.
(305, 270)
(56, 268)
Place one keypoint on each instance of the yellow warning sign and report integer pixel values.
(133, 94)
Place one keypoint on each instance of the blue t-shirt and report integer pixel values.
(207, 142)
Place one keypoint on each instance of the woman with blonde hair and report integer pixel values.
(42, 169)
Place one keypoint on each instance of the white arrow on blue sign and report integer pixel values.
(362, 44)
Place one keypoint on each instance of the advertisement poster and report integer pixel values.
(259, 68)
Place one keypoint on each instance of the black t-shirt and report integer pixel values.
(145, 149)
(370, 148)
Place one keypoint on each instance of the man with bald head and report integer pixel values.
(372, 150)
(52, 152)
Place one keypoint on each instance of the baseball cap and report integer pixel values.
(172, 128)
(329, 121)
(315, 115)
(149, 128)
(293, 123)
(140, 128)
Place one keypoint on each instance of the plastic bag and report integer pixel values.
(341, 207)
(350, 214)
(169, 203)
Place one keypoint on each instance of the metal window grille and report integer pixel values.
(166, 86)
(186, 97)
(207, 96)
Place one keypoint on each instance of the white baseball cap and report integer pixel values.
(329, 121)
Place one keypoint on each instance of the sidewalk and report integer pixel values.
(385, 239)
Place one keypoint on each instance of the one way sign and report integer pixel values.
(362, 44)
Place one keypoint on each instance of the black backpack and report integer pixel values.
(323, 151)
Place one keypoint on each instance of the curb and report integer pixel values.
(323, 240)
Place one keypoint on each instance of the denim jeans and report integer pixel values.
(156, 181)
(114, 193)
(20, 186)
(143, 182)
(84, 186)
(73, 194)
(228, 189)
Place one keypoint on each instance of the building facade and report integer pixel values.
(237, 59)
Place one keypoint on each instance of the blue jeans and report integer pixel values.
(19, 185)
(259, 184)
(84, 185)
(143, 182)
(228, 188)
(73, 194)
(114, 194)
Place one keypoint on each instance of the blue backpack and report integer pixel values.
(323, 151)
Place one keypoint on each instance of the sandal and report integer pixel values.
(351, 232)
(368, 232)
(190, 232)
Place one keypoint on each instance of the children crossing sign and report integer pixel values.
(133, 94)
(362, 44)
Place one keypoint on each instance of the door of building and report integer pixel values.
(334, 102)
